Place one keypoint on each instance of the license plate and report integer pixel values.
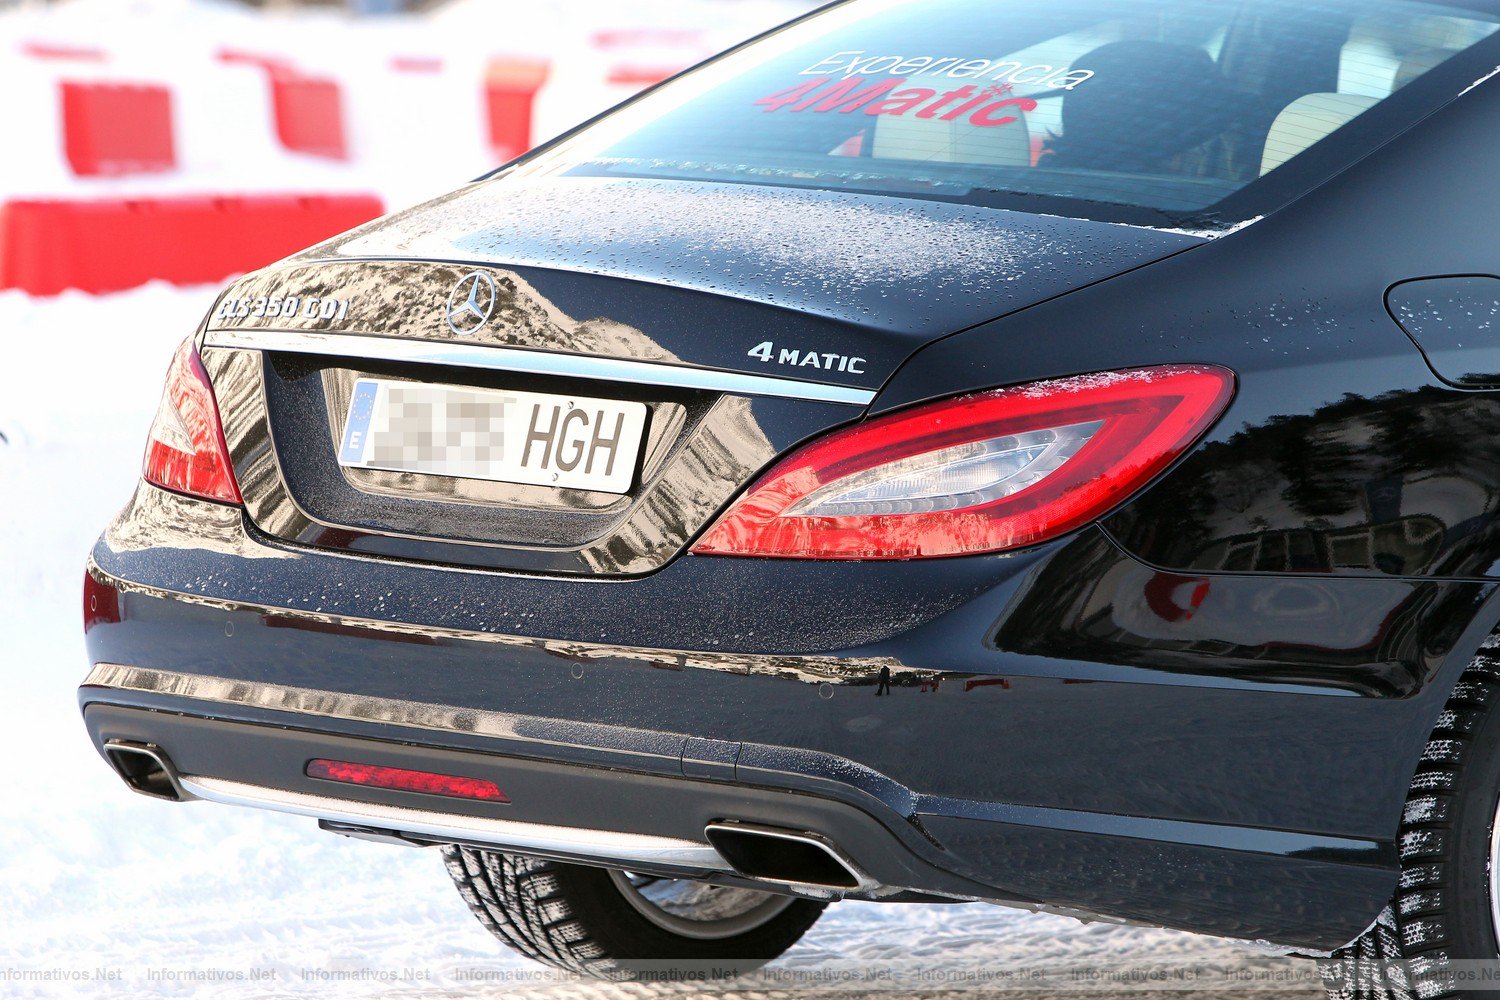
(536, 439)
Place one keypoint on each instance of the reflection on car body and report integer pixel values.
(1056, 466)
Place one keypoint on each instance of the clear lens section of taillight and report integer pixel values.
(968, 475)
(186, 452)
(985, 473)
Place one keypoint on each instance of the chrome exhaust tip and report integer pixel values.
(786, 857)
(145, 768)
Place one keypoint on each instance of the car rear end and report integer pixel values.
(316, 604)
(562, 516)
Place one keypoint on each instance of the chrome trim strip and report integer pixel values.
(428, 352)
(601, 845)
(303, 701)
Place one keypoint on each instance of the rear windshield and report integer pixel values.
(1147, 111)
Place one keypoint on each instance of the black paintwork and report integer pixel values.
(849, 265)
(1034, 729)
(1202, 712)
(1339, 431)
(1453, 320)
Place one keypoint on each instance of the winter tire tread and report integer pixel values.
(1418, 928)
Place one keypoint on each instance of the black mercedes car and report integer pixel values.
(1043, 452)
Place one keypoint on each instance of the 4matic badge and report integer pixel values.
(768, 353)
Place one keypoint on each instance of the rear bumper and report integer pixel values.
(569, 812)
(627, 807)
(1214, 799)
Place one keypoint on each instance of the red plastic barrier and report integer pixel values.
(309, 110)
(57, 50)
(511, 86)
(309, 114)
(416, 64)
(641, 77)
(112, 244)
(623, 38)
(111, 129)
(243, 57)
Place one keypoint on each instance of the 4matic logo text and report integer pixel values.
(767, 353)
(841, 83)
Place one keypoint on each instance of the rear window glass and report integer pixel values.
(1121, 110)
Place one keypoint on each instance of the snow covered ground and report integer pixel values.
(93, 877)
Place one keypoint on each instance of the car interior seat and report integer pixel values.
(933, 140)
(1148, 103)
(1420, 61)
(1308, 120)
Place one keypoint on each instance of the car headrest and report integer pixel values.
(1308, 120)
(1418, 62)
(1147, 102)
(936, 141)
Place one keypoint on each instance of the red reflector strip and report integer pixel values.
(402, 780)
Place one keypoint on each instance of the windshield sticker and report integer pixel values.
(855, 63)
(990, 107)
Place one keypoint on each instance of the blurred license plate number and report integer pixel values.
(536, 439)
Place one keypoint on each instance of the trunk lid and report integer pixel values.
(743, 319)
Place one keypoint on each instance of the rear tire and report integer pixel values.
(1442, 911)
(602, 924)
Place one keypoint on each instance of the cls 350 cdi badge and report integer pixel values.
(1043, 452)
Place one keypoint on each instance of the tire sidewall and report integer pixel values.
(629, 936)
(1477, 793)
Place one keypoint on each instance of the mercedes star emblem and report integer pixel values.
(471, 303)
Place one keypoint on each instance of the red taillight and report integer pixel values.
(187, 452)
(400, 779)
(984, 473)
